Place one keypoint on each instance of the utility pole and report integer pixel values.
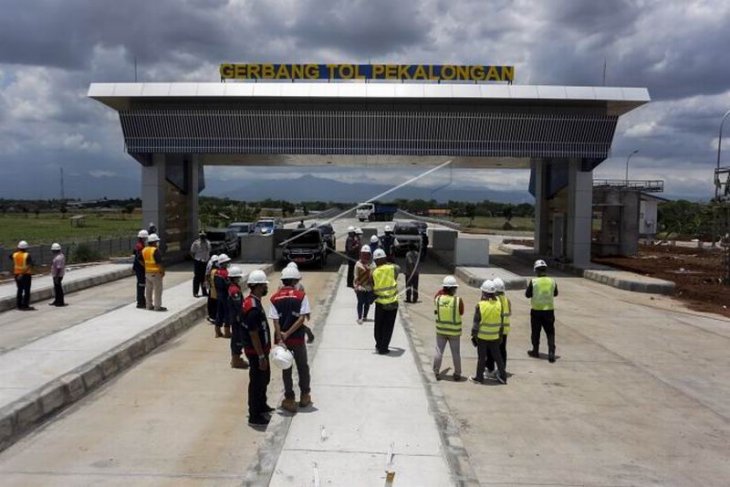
(63, 193)
(135, 69)
(604, 71)
(627, 166)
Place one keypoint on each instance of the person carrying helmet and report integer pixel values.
(58, 269)
(220, 281)
(300, 287)
(542, 291)
(288, 309)
(448, 308)
(256, 346)
(210, 271)
(486, 332)
(413, 272)
(506, 313)
(138, 267)
(154, 272)
(22, 271)
(385, 288)
(235, 308)
(363, 283)
(200, 251)
(374, 243)
(352, 251)
(388, 242)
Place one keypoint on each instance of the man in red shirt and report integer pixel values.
(288, 308)
(235, 308)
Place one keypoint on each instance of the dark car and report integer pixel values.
(224, 240)
(407, 235)
(328, 234)
(306, 246)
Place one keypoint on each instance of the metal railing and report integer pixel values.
(644, 185)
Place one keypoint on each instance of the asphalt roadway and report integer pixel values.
(639, 395)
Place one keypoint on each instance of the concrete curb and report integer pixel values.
(22, 416)
(261, 469)
(655, 286)
(475, 281)
(457, 458)
(46, 293)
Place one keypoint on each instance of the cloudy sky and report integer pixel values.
(51, 50)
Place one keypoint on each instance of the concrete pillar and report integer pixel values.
(542, 244)
(153, 194)
(194, 209)
(580, 214)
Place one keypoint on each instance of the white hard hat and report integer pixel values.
(281, 357)
(153, 238)
(350, 229)
(235, 271)
(365, 249)
(257, 277)
(290, 273)
(214, 258)
(379, 254)
(450, 281)
(498, 284)
(388, 228)
(358, 231)
(293, 265)
(143, 234)
(488, 287)
(540, 263)
(55, 246)
(374, 239)
(223, 258)
(22, 245)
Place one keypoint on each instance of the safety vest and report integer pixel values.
(150, 266)
(448, 318)
(506, 313)
(490, 324)
(385, 286)
(543, 289)
(20, 263)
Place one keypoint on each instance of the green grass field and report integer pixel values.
(52, 227)
(497, 222)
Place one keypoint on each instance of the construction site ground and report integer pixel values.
(696, 272)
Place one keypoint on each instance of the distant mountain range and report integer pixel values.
(311, 188)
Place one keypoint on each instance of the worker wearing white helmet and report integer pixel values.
(288, 309)
(542, 290)
(22, 271)
(363, 283)
(388, 243)
(448, 310)
(200, 252)
(486, 332)
(154, 272)
(210, 269)
(138, 267)
(506, 310)
(358, 232)
(385, 288)
(235, 310)
(374, 243)
(352, 251)
(256, 346)
(221, 282)
(58, 269)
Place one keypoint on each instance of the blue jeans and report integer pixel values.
(364, 299)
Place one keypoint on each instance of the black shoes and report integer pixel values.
(551, 357)
(258, 420)
(268, 409)
(533, 353)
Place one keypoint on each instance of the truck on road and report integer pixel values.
(375, 212)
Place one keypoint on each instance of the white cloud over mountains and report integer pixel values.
(50, 51)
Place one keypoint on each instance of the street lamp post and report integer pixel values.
(627, 166)
(719, 150)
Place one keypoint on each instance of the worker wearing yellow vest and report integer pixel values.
(542, 291)
(153, 274)
(506, 313)
(385, 288)
(22, 271)
(448, 308)
(486, 334)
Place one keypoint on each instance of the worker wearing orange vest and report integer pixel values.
(153, 274)
(22, 270)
